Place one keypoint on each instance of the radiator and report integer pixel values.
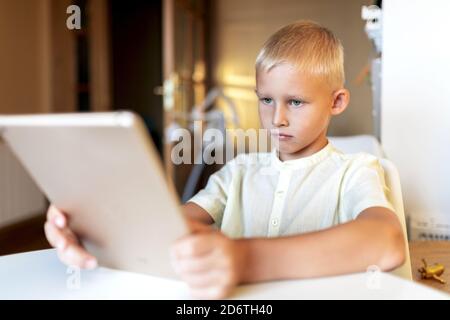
(20, 198)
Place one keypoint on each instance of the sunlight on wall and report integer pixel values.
(240, 89)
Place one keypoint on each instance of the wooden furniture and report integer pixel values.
(432, 252)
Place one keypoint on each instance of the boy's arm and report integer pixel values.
(195, 212)
(212, 264)
(374, 238)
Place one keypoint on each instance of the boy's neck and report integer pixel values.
(317, 145)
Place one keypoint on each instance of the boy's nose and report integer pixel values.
(279, 117)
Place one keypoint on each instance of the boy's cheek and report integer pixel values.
(266, 119)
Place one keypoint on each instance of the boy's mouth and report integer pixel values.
(281, 136)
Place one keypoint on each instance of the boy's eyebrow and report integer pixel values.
(297, 96)
(290, 96)
(259, 94)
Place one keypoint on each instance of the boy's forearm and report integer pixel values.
(374, 238)
(197, 213)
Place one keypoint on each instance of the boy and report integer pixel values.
(304, 210)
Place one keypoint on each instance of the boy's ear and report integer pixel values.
(341, 98)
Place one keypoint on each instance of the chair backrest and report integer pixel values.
(369, 144)
(395, 197)
(358, 143)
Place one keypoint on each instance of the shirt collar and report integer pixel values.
(302, 162)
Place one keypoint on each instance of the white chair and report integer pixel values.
(369, 144)
(359, 143)
(392, 179)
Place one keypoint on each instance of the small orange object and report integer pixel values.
(432, 272)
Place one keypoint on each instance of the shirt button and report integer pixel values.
(274, 222)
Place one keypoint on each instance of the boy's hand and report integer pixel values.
(69, 249)
(209, 262)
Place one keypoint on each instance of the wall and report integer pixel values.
(415, 124)
(22, 77)
(37, 60)
(239, 28)
(37, 74)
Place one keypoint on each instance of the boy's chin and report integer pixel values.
(288, 149)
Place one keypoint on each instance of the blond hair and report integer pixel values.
(309, 47)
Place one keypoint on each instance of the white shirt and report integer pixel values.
(257, 195)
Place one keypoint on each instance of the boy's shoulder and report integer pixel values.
(354, 159)
(356, 162)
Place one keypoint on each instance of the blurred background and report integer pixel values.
(162, 58)
(157, 58)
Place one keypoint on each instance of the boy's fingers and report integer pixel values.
(56, 216)
(194, 265)
(56, 237)
(192, 245)
(75, 255)
(68, 248)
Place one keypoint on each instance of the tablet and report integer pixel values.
(102, 169)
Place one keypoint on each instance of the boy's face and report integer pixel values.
(296, 109)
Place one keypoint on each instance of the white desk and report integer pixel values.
(40, 275)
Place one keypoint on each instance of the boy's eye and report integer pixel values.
(296, 103)
(266, 100)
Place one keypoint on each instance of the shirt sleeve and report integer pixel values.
(213, 197)
(364, 187)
